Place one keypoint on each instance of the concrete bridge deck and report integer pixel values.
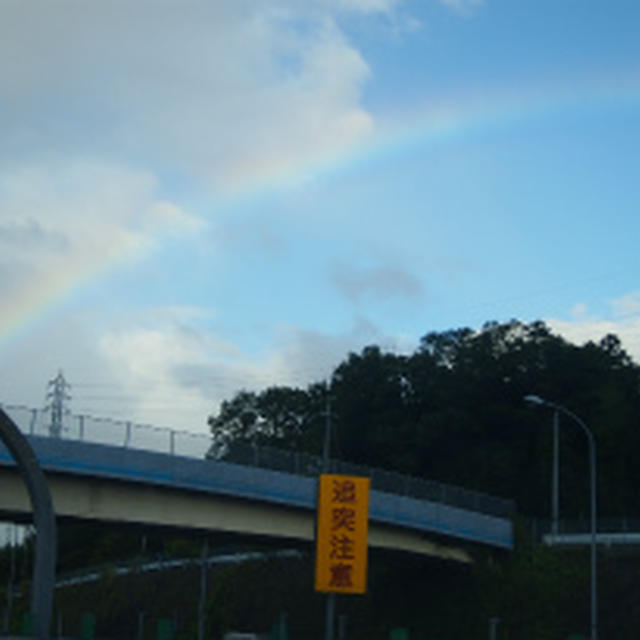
(125, 484)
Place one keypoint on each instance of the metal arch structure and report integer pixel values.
(43, 519)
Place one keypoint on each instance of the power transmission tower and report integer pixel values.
(57, 396)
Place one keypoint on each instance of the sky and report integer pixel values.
(202, 197)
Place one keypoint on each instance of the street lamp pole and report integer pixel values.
(537, 400)
(555, 476)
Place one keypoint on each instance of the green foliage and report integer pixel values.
(533, 589)
(453, 411)
(289, 417)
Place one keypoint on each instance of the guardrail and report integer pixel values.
(106, 431)
(575, 526)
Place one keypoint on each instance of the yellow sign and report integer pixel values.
(341, 537)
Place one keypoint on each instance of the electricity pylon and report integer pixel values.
(57, 396)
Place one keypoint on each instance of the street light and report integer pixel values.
(537, 400)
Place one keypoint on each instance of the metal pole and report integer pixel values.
(592, 474)
(555, 480)
(326, 449)
(493, 627)
(12, 569)
(202, 601)
(594, 565)
(141, 615)
(331, 608)
(592, 495)
(342, 627)
(331, 597)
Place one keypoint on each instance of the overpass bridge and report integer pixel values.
(116, 471)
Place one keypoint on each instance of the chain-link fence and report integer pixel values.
(121, 433)
(199, 445)
(381, 480)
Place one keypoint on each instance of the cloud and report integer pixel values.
(232, 92)
(167, 367)
(376, 282)
(623, 321)
(69, 203)
(463, 7)
(180, 369)
(171, 367)
(301, 356)
(63, 224)
(594, 330)
(258, 235)
(627, 305)
(364, 6)
(28, 234)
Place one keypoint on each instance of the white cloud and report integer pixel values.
(63, 224)
(463, 7)
(579, 311)
(175, 369)
(181, 370)
(234, 92)
(581, 332)
(365, 6)
(623, 321)
(627, 305)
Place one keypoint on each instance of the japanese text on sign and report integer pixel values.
(341, 545)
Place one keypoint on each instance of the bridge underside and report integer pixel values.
(135, 503)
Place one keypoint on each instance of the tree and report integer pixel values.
(371, 392)
(278, 416)
(453, 411)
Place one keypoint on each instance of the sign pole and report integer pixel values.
(331, 610)
(331, 597)
(341, 534)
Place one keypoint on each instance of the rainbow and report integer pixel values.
(493, 111)
(54, 286)
(429, 126)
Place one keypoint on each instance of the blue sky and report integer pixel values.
(201, 197)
